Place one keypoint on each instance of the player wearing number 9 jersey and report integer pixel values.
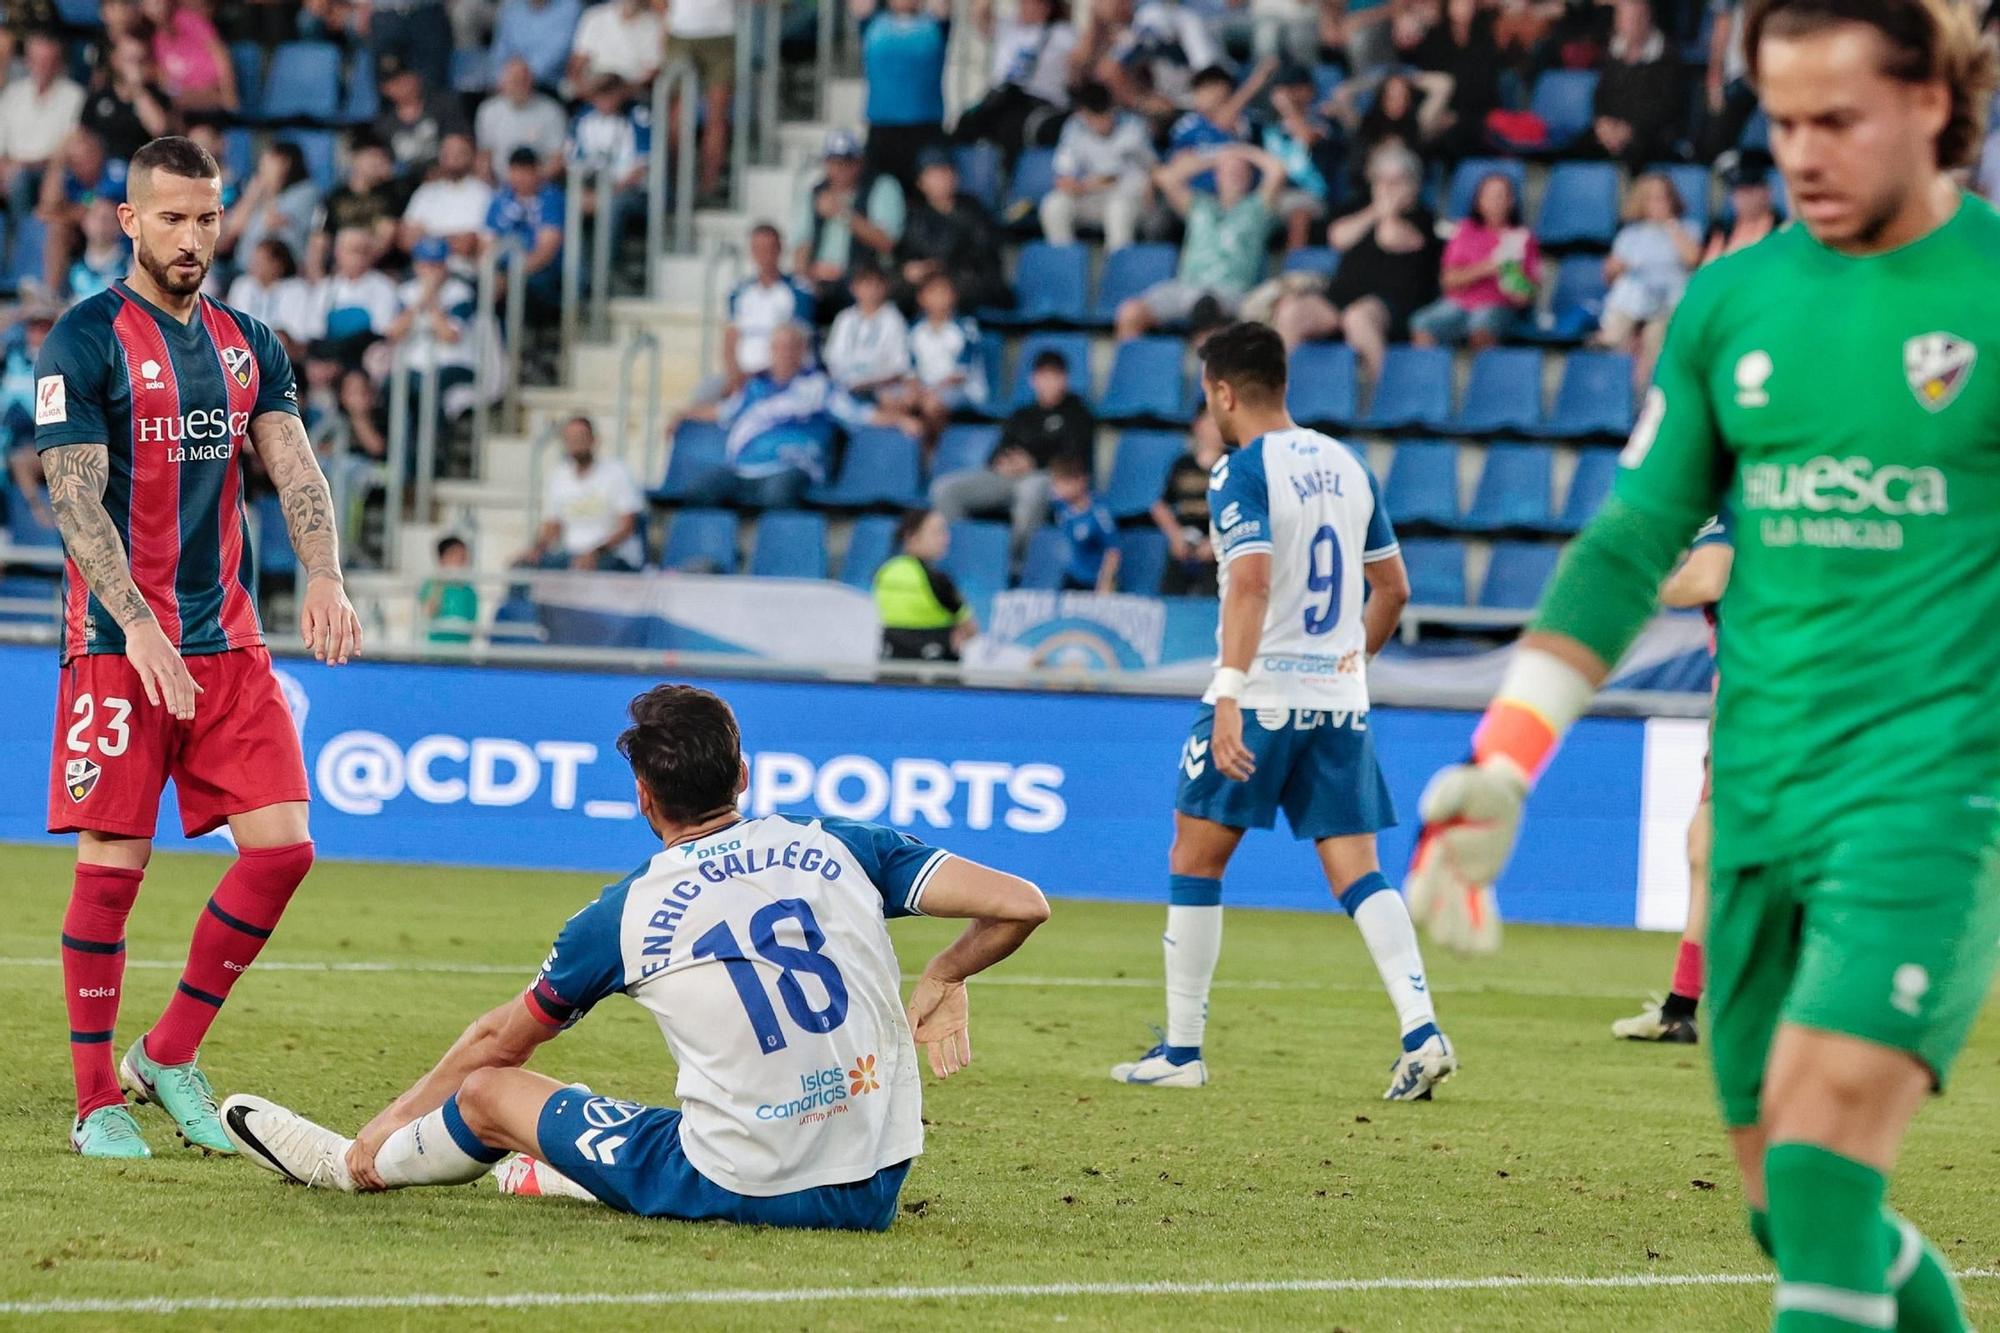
(760, 946)
(1312, 585)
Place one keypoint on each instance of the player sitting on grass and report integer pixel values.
(1838, 385)
(760, 947)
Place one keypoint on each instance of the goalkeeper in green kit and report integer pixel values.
(1835, 389)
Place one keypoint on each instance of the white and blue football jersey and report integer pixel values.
(764, 954)
(1313, 506)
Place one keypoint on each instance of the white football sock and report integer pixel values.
(1384, 921)
(427, 1152)
(1193, 943)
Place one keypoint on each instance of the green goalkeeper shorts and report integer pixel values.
(1890, 936)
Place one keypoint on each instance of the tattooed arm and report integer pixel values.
(77, 475)
(326, 620)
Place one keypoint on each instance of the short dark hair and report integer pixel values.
(1092, 97)
(1248, 357)
(288, 263)
(446, 545)
(684, 746)
(907, 525)
(524, 156)
(1213, 74)
(768, 229)
(176, 155)
(1049, 359)
(1069, 465)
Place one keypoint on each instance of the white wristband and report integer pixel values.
(1228, 683)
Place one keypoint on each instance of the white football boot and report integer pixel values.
(1416, 1073)
(1153, 1069)
(287, 1143)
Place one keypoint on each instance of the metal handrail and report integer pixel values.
(398, 461)
(680, 75)
(773, 14)
(827, 15)
(740, 100)
(550, 433)
(514, 334)
(485, 299)
(600, 260)
(427, 433)
(645, 340)
(580, 178)
(711, 309)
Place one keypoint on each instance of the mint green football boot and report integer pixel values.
(182, 1091)
(109, 1131)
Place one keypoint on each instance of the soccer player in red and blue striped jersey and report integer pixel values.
(147, 396)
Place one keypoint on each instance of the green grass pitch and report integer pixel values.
(1557, 1153)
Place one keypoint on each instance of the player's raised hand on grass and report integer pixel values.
(162, 673)
(1232, 757)
(327, 621)
(940, 1020)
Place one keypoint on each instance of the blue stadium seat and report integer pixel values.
(1589, 488)
(789, 546)
(24, 250)
(1046, 558)
(1320, 259)
(362, 101)
(1142, 561)
(248, 60)
(1562, 98)
(27, 530)
(80, 13)
(1465, 180)
(1756, 136)
(516, 620)
(37, 594)
(469, 69)
(1513, 493)
(1517, 574)
(881, 466)
(979, 171)
(1595, 397)
(275, 556)
(964, 449)
(302, 82)
(1049, 286)
(1128, 271)
(1034, 176)
(1504, 393)
(870, 543)
(1322, 388)
(1691, 183)
(1576, 302)
(699, 448)
(1326, 82)
(1075, 349)
(1415, 388)
(701, 541)
(1139, 470)
(992, 357)
(1147, 382)
(1422, 490)
(319, 149)
(977, 560)
(1580, 206)
(239, 152)
(1437, 571)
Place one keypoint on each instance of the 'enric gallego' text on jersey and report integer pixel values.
(763, 953)
(1313, 506)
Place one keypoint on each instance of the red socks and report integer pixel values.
(241, 915)
(1687, 971)
(93, 965)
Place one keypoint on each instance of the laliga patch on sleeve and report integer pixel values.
(51, 401)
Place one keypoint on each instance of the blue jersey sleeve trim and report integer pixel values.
(1240, 500)
(1380, 542)
(896, 864)
(587, 962)
(914, 899)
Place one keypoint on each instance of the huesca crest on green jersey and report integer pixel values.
(1937, 366)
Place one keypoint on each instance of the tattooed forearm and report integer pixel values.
(280, 440)
(77, 474)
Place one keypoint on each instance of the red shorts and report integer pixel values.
(114, 751)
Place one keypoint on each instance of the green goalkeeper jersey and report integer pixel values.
(1845, 413)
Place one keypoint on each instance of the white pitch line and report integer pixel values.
(526, 1300)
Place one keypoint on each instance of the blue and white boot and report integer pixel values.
(1427, 1060)
(1164, 1067)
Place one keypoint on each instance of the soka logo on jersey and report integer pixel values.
(149, 371)
(1848, 503)
(1937, 365)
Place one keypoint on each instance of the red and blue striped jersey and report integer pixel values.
(173, 403)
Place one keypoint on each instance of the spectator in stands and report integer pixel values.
(704, 33)
(81, 177)
(948, 231)
(106, 253)
(1181, 514)
(357, 304)
(1151, 54)
(779, 429)
(868, 348)
(1364, 30)
(591, 509)
(1639, 103)
(279, 202)
(612, 136)
(369, 200)
(413, 34)
(415, 117)
(1030, 80)
(1057, 423)
(126, 106)
(539, 32)
(432, 327)
(1223, 255)
(37, 114)
(1491, 269)
(450, 603)
(924, 618)
(1728, 100)
(451, 206)
(838, 226)
(1103, 165)
(1647, 270)
(1093, 534)
(949, 374)
(1303, 142)
(1218, 116)
(902, 60)
(18, 350)
(1389, 261)
(759, 305)
(1463, 49)
(519, 115)
(269, 288)
(622, 37)
(529, 212)
(1751, 215)
(206, 134)
(1408, 109)
(363, 417)
(194, 65)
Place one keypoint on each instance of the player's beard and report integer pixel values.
(170, 279)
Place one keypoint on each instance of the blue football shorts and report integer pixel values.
(1318, 766)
